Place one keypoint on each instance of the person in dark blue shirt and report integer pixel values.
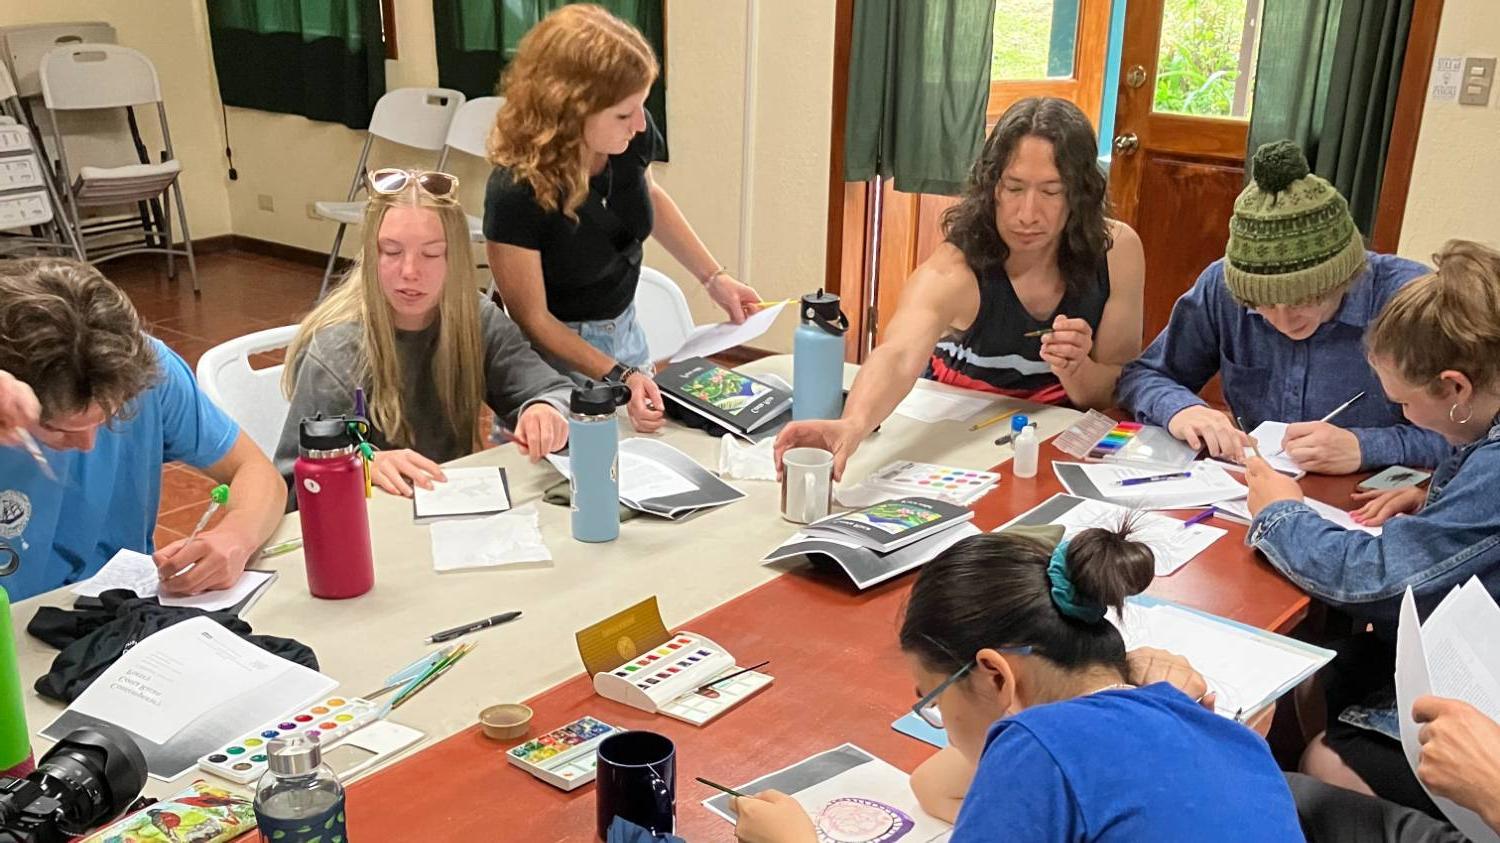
(1281, 319)
(1008, 642)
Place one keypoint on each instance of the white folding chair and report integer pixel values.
(99, 77)
(469, 134)
(662, 311)
(414, 117)
(252, 397)
(31, 208)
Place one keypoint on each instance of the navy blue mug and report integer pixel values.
(637, 781)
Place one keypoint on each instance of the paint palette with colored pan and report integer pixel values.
(944, 482)
(565, 757)
(666, 680)
(245, 760)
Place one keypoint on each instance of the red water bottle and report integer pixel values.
(330, 481)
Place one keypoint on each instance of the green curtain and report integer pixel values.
(477, 38)
(1327, 78)
(323, 59)
(919, 81)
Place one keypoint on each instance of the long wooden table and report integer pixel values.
(839, 677)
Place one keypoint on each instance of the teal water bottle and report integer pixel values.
(594, 457)
(15, 743)
(818, 358)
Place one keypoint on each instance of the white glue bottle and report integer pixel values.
(1028, 449)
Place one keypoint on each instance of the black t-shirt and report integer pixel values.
(589, 267)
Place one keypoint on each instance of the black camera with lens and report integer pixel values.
(88, 778)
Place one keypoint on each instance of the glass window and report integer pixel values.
(1206, 63)
(1034, 39)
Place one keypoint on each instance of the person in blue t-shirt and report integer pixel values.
(90, 408)
(1007, 639)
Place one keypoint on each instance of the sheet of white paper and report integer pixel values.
(933, 405)
(1241, 509)
(167, 680)
(712, 339)
(1268, 436)
(1244, 669)
(643, 479)
(739, 461)
(1208, 484)
(1428, 661)
(466, 492)
(509, 538)
(1173, 544)
(136, 572)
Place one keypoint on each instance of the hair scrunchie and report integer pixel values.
(1064, 595)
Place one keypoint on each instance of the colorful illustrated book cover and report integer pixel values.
(203, 813)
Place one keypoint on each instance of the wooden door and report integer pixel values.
(1181, 122)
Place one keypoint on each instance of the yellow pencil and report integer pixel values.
(1042, 333)
(987, 422)
(774, 303)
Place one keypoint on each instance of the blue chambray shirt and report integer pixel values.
(1456, 535)
(1269, 377)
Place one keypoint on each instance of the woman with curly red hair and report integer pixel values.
(571, 201)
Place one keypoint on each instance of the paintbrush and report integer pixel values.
(730, 676)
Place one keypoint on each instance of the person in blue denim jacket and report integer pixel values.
(1436, 350)
(1281, 319)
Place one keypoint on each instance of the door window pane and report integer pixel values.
(1206, 63)
(1034, 39)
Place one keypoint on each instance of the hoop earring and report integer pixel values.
(1454, 409)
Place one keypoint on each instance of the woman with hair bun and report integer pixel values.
(1008, 642)
(572, 200)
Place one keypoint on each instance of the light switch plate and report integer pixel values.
(1475, 82)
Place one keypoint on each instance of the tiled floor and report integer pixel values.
(242, 293)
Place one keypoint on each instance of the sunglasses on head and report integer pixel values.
(391, 181)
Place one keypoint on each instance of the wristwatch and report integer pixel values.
(620, 372)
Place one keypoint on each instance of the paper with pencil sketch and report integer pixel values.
(1172, 542)
(1268, 436)
(466, 493)
(706, 340)
(137, 572)
(1240, 510)
(1453, 655)
(851, 796)
(1208, 483)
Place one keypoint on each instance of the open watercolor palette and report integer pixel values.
(565, 757)
(666, 680)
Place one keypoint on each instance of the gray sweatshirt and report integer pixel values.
(514, 377)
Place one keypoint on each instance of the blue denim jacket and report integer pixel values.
(1456, 535)
(1268, 377)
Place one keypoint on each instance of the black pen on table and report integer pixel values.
(457, 631)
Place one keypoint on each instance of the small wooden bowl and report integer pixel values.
(506, 721)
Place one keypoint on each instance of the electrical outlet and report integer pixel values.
(265, 202)
(1475, 83)
(312, 211)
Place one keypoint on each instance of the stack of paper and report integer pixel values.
(137, 572)
(658, 479)
(1208, 483)
(1454, 655)
(1172, 542)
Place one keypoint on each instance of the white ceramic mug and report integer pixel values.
(806, 484)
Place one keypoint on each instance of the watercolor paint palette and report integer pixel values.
(565, 757)
(329, 720)
(944, 482)
(665, 679)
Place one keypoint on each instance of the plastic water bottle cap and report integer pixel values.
(1018, 423)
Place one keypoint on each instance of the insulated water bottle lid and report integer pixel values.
(822, 309)
(293, 755)
(598, 399)
(320, 434)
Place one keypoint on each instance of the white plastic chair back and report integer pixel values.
(471, 126)
(252, 397)
(662, 311)
(85, 76)
(25, 45)
(417, 117)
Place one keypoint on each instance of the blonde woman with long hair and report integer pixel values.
(572, 200)
(409, 328)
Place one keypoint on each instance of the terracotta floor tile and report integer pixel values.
(182, 487)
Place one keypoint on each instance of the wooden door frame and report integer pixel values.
(848, 207)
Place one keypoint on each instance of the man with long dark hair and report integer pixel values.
(1035, 293)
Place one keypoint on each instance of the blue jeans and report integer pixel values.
(622, 338)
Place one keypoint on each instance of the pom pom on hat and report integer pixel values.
(1277, 164)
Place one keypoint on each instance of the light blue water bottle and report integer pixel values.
(593, 456)
(818, 358)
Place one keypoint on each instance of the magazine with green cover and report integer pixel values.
(892, 524)
(729, 398)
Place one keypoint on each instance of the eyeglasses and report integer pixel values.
(927, 707)
(390, 181)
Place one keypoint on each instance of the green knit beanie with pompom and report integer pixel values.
(1291, 239)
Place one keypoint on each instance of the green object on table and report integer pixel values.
(15, 743)
(561, 494)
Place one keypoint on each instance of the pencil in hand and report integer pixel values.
(1042, 333)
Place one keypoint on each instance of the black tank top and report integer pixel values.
(995, 355)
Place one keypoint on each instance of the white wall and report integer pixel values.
(749, 142)
(1456, 176)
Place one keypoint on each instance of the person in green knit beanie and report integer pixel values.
(1281, 318)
